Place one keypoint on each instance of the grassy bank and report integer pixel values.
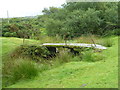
(74, 74)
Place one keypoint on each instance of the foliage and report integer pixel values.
(83, 18)
(117, 32)
(66, 73)
(72, 20)
(101, 74)
(33, 52)
(23, 29)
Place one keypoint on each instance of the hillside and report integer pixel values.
(10, 43)
(100, 74)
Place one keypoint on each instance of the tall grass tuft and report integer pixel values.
(87, 56)
(90, 56)
(76, 58)
(24, 70)
(62, 57)
(18, 69)
(107, 42)
(43, 66)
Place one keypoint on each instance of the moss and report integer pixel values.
(32, 51)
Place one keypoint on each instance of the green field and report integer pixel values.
(86, 56)
(100, 74)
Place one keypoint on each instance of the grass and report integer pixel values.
(18, 69)
(74, 74)
(10, 43)
(107, 42)
(90, 56)
(87, 39)
(48, 39)
(24, 70)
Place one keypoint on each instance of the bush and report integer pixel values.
(8, 34)
(117, 32)
(14, 34)
(24, 70)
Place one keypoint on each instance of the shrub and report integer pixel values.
(8, 34)
(117, 32)
(14, 34)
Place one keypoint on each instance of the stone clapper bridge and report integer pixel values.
(52, 47)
